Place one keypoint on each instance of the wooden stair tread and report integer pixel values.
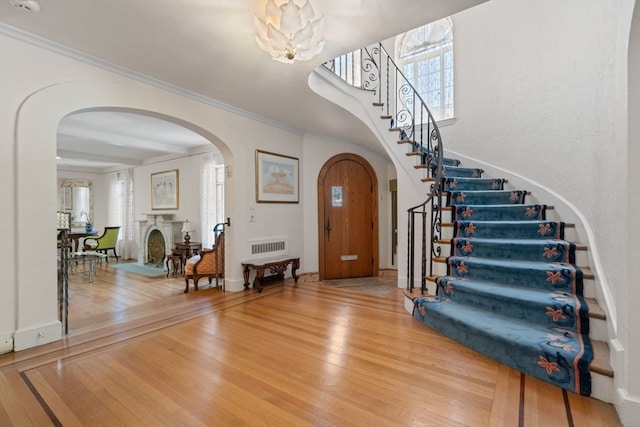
(412, 295)
(586, 272)
(386, 117)
(595, 310)
(528, 193)
(448, 208)
(579, 247)
(601, 362)
(404, 141)
(450, 224)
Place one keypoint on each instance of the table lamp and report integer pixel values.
(186, 228)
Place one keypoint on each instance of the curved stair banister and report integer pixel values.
(372, 69)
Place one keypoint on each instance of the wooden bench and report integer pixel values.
(276, 266)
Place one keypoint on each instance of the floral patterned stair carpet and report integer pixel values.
(512, 290)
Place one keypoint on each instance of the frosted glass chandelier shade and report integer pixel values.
(290, 30)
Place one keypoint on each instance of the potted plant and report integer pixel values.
(88, 222)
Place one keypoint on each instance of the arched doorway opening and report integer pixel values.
(34, 307)
(120, 150)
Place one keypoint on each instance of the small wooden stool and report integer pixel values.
(176, 263)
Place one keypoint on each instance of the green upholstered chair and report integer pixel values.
(105, 242)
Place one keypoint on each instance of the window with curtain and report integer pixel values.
(121, 211)
(212, 196)
(425, 56)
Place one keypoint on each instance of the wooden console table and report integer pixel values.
(188, 249)
(274, 265)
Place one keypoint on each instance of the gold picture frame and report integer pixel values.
(277, 178)
(165, 190)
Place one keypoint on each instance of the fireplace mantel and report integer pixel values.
(166, 224)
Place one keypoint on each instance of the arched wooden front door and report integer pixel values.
(347, 218)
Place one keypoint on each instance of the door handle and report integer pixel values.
(328, 228)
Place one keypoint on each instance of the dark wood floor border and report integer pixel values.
(565, 398)
(567, 407)
(521, 406)
(36, 394)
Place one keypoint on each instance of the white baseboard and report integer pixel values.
(408, 305)
(628, 408)
(6, 344)
(39, 335)
(234, 285)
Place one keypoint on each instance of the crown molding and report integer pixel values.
(77, 55)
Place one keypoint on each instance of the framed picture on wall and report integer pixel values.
(164, 190)
(277, 178)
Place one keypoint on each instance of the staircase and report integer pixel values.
(478, 249)
(511, 278)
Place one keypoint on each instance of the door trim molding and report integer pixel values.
(374, 209)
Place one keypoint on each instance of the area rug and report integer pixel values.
(369, 285)
(145, 270)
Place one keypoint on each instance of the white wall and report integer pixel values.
(188, 193)
(541, 91)
(316, 153)
(628, 398)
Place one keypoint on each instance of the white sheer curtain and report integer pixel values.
(121, 211)
(211, 196)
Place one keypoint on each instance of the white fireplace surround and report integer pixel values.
(166, 224)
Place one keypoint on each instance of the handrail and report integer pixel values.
(218, 238)
(373, 69)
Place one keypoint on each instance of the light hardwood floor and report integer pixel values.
(142, 353)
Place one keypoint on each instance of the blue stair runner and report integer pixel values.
(512, 289)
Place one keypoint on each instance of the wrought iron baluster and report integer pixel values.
(409, 115)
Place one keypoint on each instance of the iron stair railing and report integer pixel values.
(219, 236)
(372, 69)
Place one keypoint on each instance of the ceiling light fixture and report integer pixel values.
(28, 5)
(290, 30)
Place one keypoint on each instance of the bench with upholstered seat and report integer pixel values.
(208, 263)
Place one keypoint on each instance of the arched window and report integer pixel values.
(425, 55)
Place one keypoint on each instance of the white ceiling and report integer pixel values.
(208, 48)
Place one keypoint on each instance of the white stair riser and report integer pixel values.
(598, 329)
(602, 387)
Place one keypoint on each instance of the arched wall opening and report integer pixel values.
(35, 142)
